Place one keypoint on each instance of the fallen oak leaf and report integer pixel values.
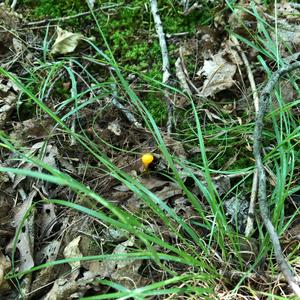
(219, 75)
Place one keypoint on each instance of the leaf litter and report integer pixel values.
(52, 232)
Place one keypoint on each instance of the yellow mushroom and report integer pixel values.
(147, 159)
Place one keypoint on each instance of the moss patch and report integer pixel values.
(130, 33)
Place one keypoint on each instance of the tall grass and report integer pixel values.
(203, 255)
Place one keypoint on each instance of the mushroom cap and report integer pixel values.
(147, 159)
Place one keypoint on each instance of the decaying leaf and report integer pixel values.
(31, 128)
(115, 128)
(18, 45)
(237, 210)
(4, 266)
(26, 236)
(47, 218)
(25, 245)
(66, 41)
(287, 10)
(218, 73)
(64, 289)
(49, 156)
(8, 98)
(72, 250)
(182, 76)
(289, 39)
(9, 21)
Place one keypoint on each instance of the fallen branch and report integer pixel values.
(62, 19)
(189, 10)
(249, 74)
(165, 59)
(262, 194)
(250, 218)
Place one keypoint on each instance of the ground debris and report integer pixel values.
(91, 120)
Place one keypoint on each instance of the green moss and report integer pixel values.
(130, 33)
(129, 28)
(157, 107)
(55, 9)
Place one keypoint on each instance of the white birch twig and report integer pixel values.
(165, 59)
(162, 41)
(13, 5)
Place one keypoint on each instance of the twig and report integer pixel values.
(250, 218)
(165, 59)
(176, 34)
(13, 5)
(262, 194)
(162, 41)
(189, 10)
(61, 19)
(249, 74)
(130, 117)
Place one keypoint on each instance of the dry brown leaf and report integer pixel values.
(18, 45)
(65, 289)
(182, 76)
(288, 37)
(286, 10)
(8, 98)
(47, 219)
(72, 250)
(10, 21)
(218, 73)
(49, 157)
(4, 266)
(26, 235)
(25, 245)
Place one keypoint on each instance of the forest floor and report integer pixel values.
(130, 142)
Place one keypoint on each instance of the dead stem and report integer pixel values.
(262, 194)
(165, 59)
(250, 219)
(61, 19)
